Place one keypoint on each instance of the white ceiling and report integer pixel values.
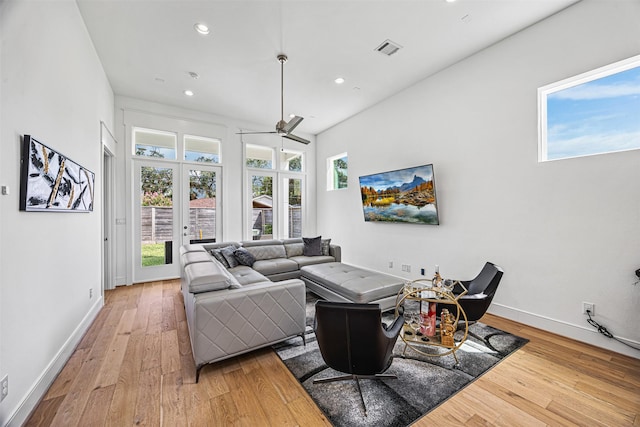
(148, 48)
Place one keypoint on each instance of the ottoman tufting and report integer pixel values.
(336, 281)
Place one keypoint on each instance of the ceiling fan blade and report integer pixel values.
(296, 138)
(254, 133)
(295, 121)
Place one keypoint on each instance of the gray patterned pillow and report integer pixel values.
(217, 254)
(228, 255)
(244, 257)
(325, 246)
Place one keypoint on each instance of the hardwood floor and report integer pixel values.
(134, 367)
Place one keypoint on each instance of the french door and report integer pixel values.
(173, 205)
(201, 205)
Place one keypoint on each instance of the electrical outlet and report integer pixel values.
(589, 307)
(4, 387)
(406, 267)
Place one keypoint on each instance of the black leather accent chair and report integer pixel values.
(480, 293)
(352, 339)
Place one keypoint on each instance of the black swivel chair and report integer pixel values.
(480, 293)
(353, 340)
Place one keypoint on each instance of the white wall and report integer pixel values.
(232, 173)
(54, 88)
(564, 231)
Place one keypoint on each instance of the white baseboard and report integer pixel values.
(44, 381)
(584, 334)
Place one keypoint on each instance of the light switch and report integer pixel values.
(5, 190)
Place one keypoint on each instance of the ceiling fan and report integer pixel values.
(283, 128)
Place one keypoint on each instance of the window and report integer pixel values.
(201, 149)
(259, 157)
(275, 192)
(291, 161)
(337, 172)
(594, 113)
(154, 143)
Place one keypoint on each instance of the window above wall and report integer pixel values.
(154, 143)
(337, 172)
(201, 149)
(259, 157)
(593, 113)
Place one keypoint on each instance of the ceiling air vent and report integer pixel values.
(388, 47)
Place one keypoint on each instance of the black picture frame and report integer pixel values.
(404, 195)
(51, 182)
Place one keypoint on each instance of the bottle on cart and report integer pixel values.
(437, 279)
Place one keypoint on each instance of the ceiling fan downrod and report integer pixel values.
(282, 58)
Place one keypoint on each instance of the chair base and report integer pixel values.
(357, 378)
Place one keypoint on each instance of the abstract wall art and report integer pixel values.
(50, 181)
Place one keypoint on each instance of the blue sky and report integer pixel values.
(385, 180)
(599, 116)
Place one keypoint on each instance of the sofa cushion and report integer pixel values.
(244, 257)
(191, 257)
(208, 276)
(269, 267)
(312, 246)
(247, 275)
(294, 249)
(262, 252)
(311, 260)
(189, 247)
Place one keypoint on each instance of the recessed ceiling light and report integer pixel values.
(339, 80)
(188, 92)
(450, 1)
(202, 28)
(291, 116)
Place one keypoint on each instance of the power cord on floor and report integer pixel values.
(601, 329)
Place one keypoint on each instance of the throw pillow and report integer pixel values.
(325, 246)
(244, 257)
(312, 246)
(217, 254)
(228, 255)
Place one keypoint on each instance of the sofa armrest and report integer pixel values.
(336, 252)
(226, 323)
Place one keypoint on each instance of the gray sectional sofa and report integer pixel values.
(234, 308)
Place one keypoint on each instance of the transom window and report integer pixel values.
(593, 113)
(201, 149)
(291, 161)
(154, 143)
(259, 157)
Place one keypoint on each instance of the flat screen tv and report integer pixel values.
(404, 195)
(50, 181)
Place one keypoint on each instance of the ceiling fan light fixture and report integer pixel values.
(202, 28)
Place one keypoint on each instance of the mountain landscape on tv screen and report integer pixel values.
(406, 195)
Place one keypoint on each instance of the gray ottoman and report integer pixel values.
(336, 281)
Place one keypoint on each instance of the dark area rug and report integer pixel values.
(423, 381)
